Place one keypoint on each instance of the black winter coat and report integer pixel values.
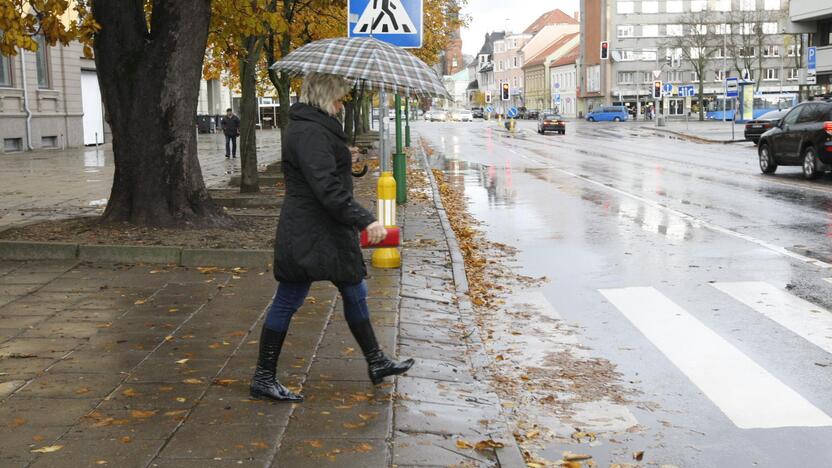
(317, 234)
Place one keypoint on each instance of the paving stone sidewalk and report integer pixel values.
(148, 366)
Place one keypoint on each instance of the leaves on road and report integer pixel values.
(47, 449)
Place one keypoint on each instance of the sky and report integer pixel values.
(495, 15)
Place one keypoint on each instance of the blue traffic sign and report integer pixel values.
(397, 22)
(557, 98)
(513, 112)
(489, 109)
(687, 91)
(812, 60)
(732, 87)
(667, 88)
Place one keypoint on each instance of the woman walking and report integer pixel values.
(317, 234)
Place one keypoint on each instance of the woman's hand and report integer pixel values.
(376, 233)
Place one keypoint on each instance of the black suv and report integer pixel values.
(802, 138)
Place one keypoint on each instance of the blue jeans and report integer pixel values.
(290, 296)
(231, 145)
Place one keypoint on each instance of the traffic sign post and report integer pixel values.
(397, 22)
(812, 61)
(732, 87)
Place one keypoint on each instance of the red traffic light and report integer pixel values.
(605, 50)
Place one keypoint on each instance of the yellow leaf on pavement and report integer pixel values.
(138, 414)
(193, 381)
(463, 444)
(129, 392)
(488, 444)
(47, 449)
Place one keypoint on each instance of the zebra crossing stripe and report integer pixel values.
(803, 318)
(744, 391)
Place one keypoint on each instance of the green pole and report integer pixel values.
(399, 161)
(407, 123)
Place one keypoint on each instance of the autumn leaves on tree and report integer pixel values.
(150, 56)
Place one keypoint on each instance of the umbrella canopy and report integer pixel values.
(379, 65)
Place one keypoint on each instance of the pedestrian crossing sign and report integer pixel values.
(397, 22)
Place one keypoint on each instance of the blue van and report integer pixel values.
(608, 113)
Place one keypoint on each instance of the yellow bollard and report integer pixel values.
(387, 257)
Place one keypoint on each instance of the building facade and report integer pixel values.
(539, 87)
(593, 86)
(563, 77)
(481, 68)
(815, 18)
(646, 38)
(49, 99)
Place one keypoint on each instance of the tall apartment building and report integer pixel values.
(593, 86)
(745, 41)
(815, 16)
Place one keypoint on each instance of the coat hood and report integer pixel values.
(304, 112)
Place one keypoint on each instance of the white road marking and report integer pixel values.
(743, 390)
(803, 318)
(828, 280)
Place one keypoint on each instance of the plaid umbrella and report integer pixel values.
(378, 64)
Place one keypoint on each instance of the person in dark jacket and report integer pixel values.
(230, 124)
(318, 234)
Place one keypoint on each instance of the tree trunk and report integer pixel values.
(249, 181)
(349, 120)
(702, 96)
(149, 82)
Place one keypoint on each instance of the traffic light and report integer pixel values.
(488, 98)
(605, 50)
(506, 92)
(657, 89)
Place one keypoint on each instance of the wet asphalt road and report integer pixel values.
(703, 280)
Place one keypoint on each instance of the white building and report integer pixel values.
(563, 74)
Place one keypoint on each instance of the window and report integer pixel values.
(722, 5)
(42, 61)
(722, 28)
(719, 75)
(649, 55)
(516, 61)
(747, 52)
(746, 74)
(49, 142)
(698, 5)
(675, 30)
(593, 79)
(747, 29)
(694, 77)
(793, 74)
(770, 28)
(624, 8)
(626, 30)
(791, 50)
(792, 116)
(694, 53)
(720, 52)
(515, 83)
(810, 113)
(498, 46)
(627, 55)
(748, 5)
(650, 30)
(676, 53)
(12, 145)
(699, 29)
(772, 4)
(626, 77)
(772, 74)
(649, 7)
(673, 76)
(5, 71)
(771, 51)
(646, 77)
(675, 6)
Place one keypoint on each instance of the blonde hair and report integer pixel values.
(322, 90)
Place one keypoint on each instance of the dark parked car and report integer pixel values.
(802, 138)
(478, 112)
(532, 114)
(551, 123)
(755, 128)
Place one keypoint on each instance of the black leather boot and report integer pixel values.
(379, 366)
(264, 384)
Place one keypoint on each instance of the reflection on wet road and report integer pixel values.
(705, 282)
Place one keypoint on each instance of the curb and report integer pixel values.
(510, 456)
(180, 256)
(696, 138)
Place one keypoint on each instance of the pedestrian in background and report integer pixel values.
(318, 234)
(230, 124)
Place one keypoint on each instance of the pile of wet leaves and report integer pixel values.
(551, 387)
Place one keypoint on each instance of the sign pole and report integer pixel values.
(399, 160)
(407, 123)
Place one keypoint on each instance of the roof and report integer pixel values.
(540, 58)
(488, 45)
(568, 59)
(555, 16)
